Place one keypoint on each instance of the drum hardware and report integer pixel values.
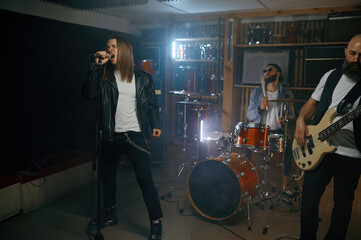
(276, 143)
(251, 135)
(280, 144)
(186, 93)
(184, 164)
(287, 100)
(199, 106)
(194, 112)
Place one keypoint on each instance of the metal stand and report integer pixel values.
(97, 158)
(184, 149)
(186, 164)
(282, 196)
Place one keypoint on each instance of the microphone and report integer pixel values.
(110, 56)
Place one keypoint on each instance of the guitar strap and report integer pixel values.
(351, 97)
(326, 96)
(357, 130)
(346, 104)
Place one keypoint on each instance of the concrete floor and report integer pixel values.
(67, 218)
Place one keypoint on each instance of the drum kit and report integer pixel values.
(219, 181)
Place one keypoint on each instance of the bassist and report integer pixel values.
(344, 165)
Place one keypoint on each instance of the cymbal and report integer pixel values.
(196, 103)
(185, 93)
(287, 100)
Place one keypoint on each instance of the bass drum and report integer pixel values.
(216, 187)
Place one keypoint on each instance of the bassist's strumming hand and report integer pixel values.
(306, 112)
(301, 131)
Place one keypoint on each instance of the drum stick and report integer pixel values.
(281, 113)
(264, 89)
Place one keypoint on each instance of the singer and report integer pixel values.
(128, 108)
(260, 110)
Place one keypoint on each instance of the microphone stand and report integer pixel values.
(97, 156)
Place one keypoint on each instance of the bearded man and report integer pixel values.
(344, 165)
(262, 111)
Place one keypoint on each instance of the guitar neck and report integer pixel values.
(334, 127)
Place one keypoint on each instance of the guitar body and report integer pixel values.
(309, 156)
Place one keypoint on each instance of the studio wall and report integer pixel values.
(44, 64)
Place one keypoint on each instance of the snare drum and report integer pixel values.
(216, 187)
(251, 135)
(275, 143)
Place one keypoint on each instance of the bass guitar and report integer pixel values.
(316, 146)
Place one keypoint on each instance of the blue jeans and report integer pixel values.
(346, 173)
(134, 146)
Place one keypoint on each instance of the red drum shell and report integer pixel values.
(216, 187)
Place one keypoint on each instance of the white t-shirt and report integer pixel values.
(344, 138)
(125, 115)
(270, 117)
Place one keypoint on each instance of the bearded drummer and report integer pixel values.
(262, 110)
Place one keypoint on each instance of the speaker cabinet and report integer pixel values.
(319, 60)
(343, 28)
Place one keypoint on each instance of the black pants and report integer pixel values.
(134, 146)
(346, 174)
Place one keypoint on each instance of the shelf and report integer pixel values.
(193, 60)
(201, 96)
(196, 39)
(290, 44)
(290, 88)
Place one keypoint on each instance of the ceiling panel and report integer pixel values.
(175, 8)
(210, 6)
(299, 4)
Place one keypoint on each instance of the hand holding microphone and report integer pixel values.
(102, 57)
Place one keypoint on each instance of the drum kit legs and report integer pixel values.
(192, 119)
(277, 143)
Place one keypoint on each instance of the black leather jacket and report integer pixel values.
(147, 106)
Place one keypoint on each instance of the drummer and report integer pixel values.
(260, 110)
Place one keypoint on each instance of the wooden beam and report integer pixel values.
(228, 80)
(293, 12)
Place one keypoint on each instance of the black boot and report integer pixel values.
(155, 231)
(108, 217)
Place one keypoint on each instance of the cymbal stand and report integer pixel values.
(184, 149)
(281, 195)
(264, 193)
(283, 145)
(283, 188)
(198, 137)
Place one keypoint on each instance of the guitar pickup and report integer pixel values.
(310, 145)
(303, 151)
